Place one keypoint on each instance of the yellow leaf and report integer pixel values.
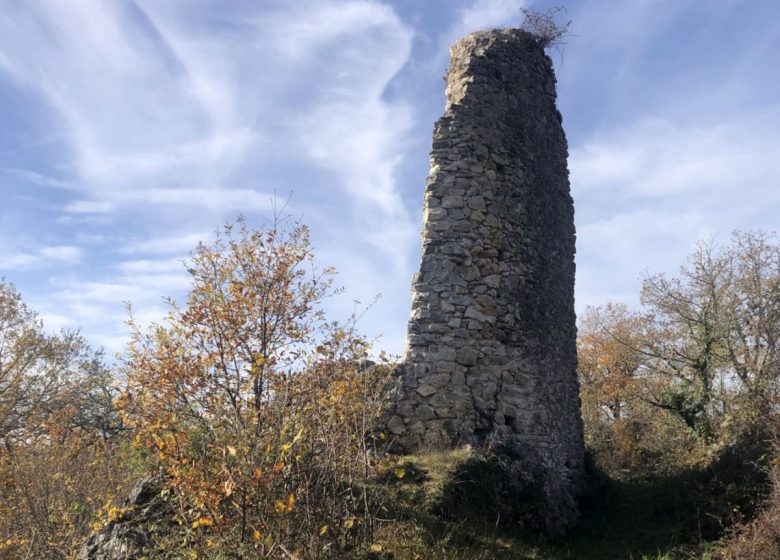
(349, 522)
(290, 502)
(376, 548)
(231, 450)
(256, 536)
(279, 506)
(202, 522)
(399, 472)
(323, 530)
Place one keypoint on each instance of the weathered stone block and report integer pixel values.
(417, 427)
(452, 202)
(467, 356)
(473, 313)
(396, 425)
(438, 380)
(426, 390)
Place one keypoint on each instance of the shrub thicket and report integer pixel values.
(254, 406)
(62, 466)
(695, 370)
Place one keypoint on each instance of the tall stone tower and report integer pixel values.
(491, 346)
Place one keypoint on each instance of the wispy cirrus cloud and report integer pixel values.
(128, 106)
(656, 158)
(220, 200)
(468, 17)
(33, 178)
(647, 192)
(174, 244)
(41, 257)
(485, 14)
(149, 106)
(175, 118)
(134, 128)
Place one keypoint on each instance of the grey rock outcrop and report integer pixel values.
(491, 345)
(125, 538)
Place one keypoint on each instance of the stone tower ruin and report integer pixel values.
(491, 345)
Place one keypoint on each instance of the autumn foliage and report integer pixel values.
(695, 369)
(256, 408)
(62, 458)
(260, 416)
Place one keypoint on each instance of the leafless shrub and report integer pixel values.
(543, 26)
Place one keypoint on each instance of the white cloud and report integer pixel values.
(354, 50)
(645, 193)
(90, 207)
(487, 14)
(67, 254)
(92, 293)
(615, 250)
(161, 111)
(54, 322)
(215, 199)
(176, 244)
(641, 235)
(147, 266)
(656, 158)
(166, 118)
(97, 308)
(132, 110)
(16, 260)
(41, 257)
(312, 27)
(477, 15)
(627, 26)
(38, 179)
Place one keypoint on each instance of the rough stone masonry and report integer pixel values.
(491, 346)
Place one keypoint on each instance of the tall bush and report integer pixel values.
(255, 406)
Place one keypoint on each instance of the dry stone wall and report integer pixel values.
(491, 355)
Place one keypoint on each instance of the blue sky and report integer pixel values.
(130, 130)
